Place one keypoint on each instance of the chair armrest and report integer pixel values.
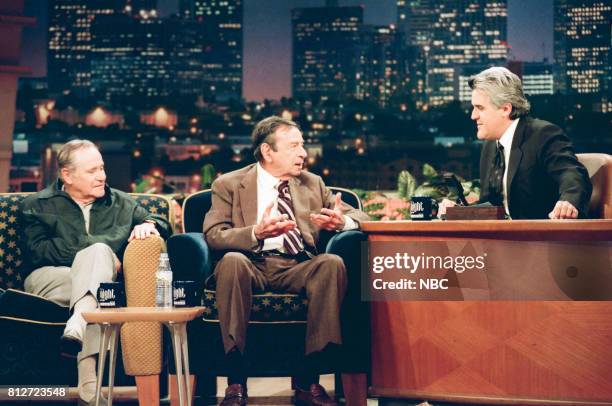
(346, 244)
(349, 246)
(141, 341)
(190, 258)
(28, 307)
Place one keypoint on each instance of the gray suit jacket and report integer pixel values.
(229, 223)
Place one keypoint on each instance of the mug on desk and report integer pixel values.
(423, 208)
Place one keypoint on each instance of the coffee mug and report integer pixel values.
(423, 208)
(111, 294)
(184, 294)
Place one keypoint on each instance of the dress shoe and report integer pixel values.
(235, 395)
(70, 345)
(316, 396)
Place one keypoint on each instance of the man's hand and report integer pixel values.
(142, 231)
(563, 210)
(330, 220)
(445, 204)
(272, 226)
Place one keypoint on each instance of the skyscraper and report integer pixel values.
(455, 36)
(382, 72)
(185, 50)
(326, 51)
(70, 39)
(221, 22)
(128, 59)
(537, 77)
(70, 42)
(582, 39)
(415, 19)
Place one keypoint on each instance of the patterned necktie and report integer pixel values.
(496, 179)
(292, 239)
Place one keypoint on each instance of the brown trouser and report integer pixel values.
(322, 278)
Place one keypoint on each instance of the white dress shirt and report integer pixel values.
(267, 193)
(506, 142)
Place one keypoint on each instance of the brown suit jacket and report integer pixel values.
(229, 223)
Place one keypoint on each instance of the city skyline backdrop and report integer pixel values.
(267, 37)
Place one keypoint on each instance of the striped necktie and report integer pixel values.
(292, 239)
(496, 179)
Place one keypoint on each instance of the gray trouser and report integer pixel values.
(65, 286)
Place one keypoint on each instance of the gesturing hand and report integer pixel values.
(328, 219)
(272, 226)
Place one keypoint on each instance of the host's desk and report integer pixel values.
(493, 352)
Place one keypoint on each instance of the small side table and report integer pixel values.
(175, 318)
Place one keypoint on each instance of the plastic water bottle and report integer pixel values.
(163, 276)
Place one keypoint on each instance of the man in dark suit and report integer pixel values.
(527, 165)
(267, 216)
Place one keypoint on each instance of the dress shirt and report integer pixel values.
(506, 142)
(267, 193)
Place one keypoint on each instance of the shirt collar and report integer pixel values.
(265, 179)
(57, 189)
(508, 135)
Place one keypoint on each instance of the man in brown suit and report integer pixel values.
(267, 216)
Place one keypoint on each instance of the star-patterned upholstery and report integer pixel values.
(11, 261)
(10, 254)
(267, 307)
(30, 325)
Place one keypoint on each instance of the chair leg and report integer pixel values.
(355, 389)
(173, 389)
(148, 390)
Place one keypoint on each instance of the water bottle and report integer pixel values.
(163, 276)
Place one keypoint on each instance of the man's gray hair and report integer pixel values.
(65, 156)
(502, 86)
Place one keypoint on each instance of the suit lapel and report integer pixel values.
(248, 197)
(485, 164)
(516, 154)
(299, 198)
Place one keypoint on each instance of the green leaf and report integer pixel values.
(429, 172)
(406, 184)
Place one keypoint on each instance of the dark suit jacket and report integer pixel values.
(542, 170)
(229, 223)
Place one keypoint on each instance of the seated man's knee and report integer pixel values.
(233, 264)
(98, 247)
(330, 265)
(331, 261)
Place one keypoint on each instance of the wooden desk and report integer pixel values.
(175, 318)
(494, 352)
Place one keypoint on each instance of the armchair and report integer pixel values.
(276, 331)
(599, 167)
(32, 326)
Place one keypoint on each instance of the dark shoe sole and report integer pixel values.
(304, 403)
(70, 347)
